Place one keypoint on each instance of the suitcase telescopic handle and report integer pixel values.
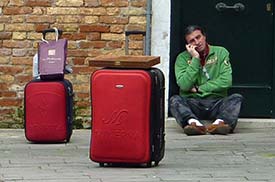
(51, 30)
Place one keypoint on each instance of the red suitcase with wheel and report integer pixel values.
(48, 111)
(127, 116)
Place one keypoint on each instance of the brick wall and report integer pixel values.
(93, 27)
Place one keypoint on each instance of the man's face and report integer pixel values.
(197, 39)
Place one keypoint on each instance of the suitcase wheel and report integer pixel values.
(101, 164)
(156, 163)
(149, 164)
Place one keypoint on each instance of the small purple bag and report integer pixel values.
(52, 57)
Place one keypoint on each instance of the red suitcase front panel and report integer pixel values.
(121, 116)
(45, 111)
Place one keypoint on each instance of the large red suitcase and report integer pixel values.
(127, 116)
(48, 111)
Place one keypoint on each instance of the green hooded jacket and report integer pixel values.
(212, 81)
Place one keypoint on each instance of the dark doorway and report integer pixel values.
(245, 28)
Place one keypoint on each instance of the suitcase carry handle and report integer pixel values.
(134, 32)
(52, 30)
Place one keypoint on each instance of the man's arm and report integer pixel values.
(186, 71)
(224, 79)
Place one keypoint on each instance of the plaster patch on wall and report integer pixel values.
(161, 39)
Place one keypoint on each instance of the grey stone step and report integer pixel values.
(243, 123)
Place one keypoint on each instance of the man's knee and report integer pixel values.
(236, 97)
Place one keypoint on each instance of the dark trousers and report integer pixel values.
(227, 109)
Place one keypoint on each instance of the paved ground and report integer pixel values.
(248, 155)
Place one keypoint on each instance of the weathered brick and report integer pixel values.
(94, 28)
(136, 37)
(21, 61)
(86, 11)
(41, 27)
(112, 36)
(113, 20)
(38, 11)
(92, 44)
(133, 11)
(91, 19)
(74, 36)
(68, 19)
(82, 95)
(3, 86)
(113, 11)
(135, 45)
(16, 3)
(78, 53)
(43, 3)
(5, 35)
(7, 79)
(40, 19)
(11, 102)
(6, 111)
(136, 27)
(5, 19)
(93, 36)
(117, 28)
(19, 52)
(5, 52)
(135, 52)
(0, 10)
(72, 45)
(81, 87)
(83, 103)
(17, 44)
(93, 11)
(4, 2)
(19, 35)
(4, 60)
(69, 3)
(137, 20)
(18, 27)
(34, 36)
(7, 94)
(1, 27)
(17, 10)
(119, 3)
(138, 3)
(115, 44)
(23, 78)
(67, 27)
(83, 78)
(63, 11)
(11, 69)
(18, 19)
(92, 3)
(79, 61)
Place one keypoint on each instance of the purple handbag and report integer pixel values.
(52, 55)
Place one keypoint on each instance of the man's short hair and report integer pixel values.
(191, 28)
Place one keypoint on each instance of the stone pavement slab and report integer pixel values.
(247, 155)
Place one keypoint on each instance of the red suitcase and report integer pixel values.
(48, 111)
(128, 116)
